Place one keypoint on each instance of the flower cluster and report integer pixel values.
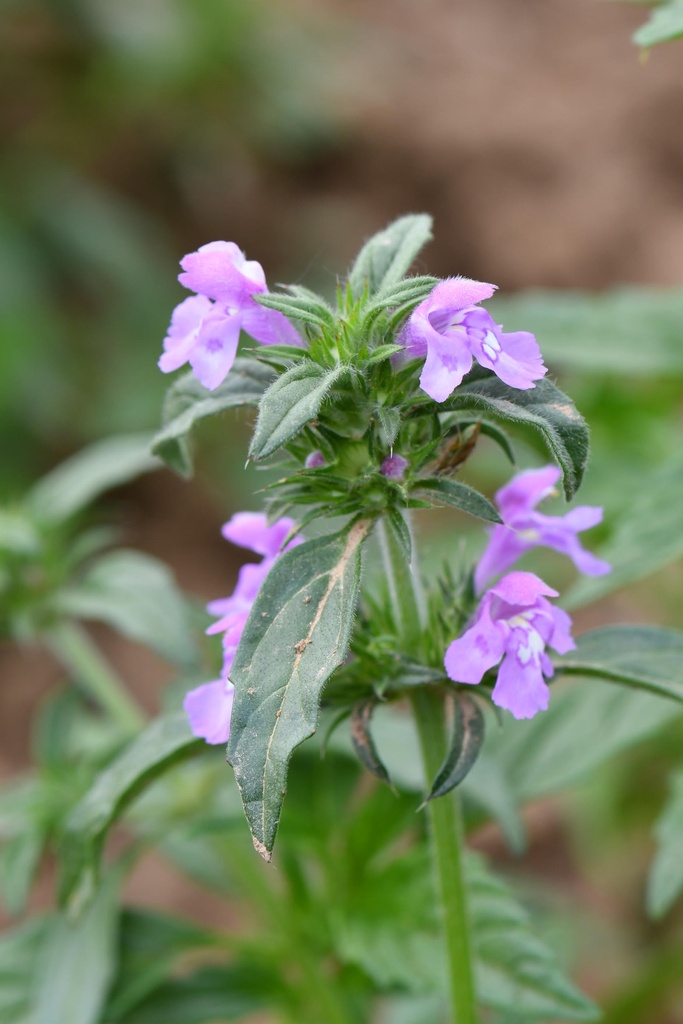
(514, 621)
(205, 328)
(209, 706)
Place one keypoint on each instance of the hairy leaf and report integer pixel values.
(388, 255)
(188, 401)
(466, 740)
(665, 25)
(665, 881)
(452, 492)
(601, 333)
(296, 635)
(647, 535)
(289, 404)
(362, 740)
(137, 595)
(82, 478)
(299, 307)
(161, 745)
(646, 657)
(544, 408)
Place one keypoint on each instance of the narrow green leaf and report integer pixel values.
(19, 959)
(401, 531)
(647, 534)
(452, 492)
(149, 945)
(299, 307)
(363, 743)
(665, 881)
(513, 968)
(647, 657)
(289, 404)
(665, 25)
(388, 255)
(467, 736)
(390, 420)
(206, 996)
(383, 352)
(411, 289)
(92, 471)
(544, 408)
(78, 961)
(161, 745)
(296, 635)
(188, 401)
(137, 595)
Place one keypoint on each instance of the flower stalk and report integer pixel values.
(444, 813)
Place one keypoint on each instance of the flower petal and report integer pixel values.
(520, 687)
(251, 530)
(525, 491)
(477, 650)
(208, 708)
(505, 546)
(221, 271)
(522, 589)
(182, 333)
(214, 350)
(268, 326)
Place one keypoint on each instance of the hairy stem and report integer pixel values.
(444, 812)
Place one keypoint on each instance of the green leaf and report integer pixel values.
(19, 956)
(19, 860)
(149, 945)
(207, 996)
(82, 478)
(300, 307)
(665, 881)
(588, 723)
(162, 744)
(647, 657)
(361, 738)
(601, 333)
(388, 255)
(78, 961)
(665, 25)
(465, 744)
(390, 421)
(137, 595)
(409, 290)
(383, 352)
(513, 968)
(544, 408)
(296, 635)
(289, 404)
(452, 492)
(647, 534)
(188, 401)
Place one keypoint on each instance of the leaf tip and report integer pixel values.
(262, 850)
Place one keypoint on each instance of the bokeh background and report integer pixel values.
(549, 152)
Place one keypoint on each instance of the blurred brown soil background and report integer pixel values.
(548, 152)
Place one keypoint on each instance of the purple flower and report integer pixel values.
(209, 706)
(514, 622)
(205, 328)
(524, 528)
(394, 467)
(315, 460)
(450, 330)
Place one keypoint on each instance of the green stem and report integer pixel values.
(444, 812)
(74, 649)
(447, 842)
(317, 991)
(405, 589)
